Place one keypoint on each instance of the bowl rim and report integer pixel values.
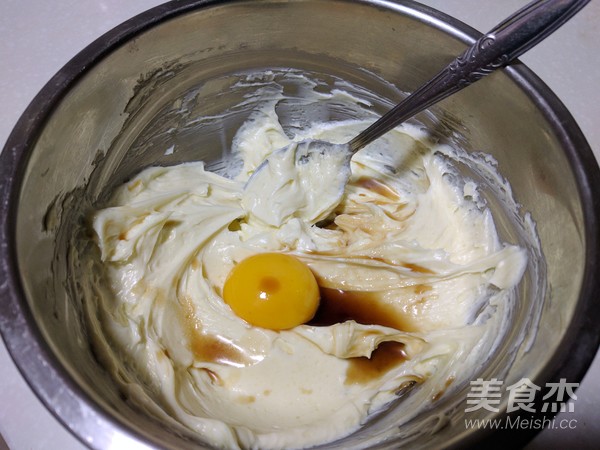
(51, 382)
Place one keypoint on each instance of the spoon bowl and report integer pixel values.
(295, 165)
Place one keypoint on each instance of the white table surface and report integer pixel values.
(37, 37)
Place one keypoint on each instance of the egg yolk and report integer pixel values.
(272, 290)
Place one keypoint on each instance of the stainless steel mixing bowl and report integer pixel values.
(143, 88)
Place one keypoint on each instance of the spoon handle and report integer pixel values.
(495, 49)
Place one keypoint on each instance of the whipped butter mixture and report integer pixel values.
(413, 280)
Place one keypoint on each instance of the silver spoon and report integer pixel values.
(497, 48)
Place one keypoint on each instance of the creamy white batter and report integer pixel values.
(409, 249)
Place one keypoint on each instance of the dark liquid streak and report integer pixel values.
(385, 357)
(378, 187)
(364, 307)
(209, 348)
(367, 308)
